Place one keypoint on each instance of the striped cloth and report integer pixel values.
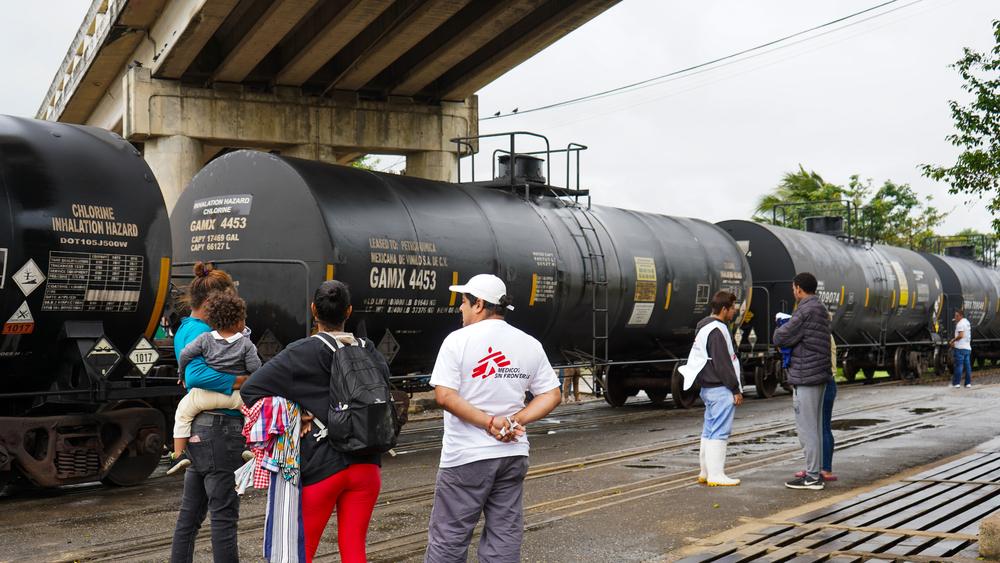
(272, 430)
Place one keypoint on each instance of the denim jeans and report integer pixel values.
(963, 360)
(209, 486)
(719, 410)
(829, 396)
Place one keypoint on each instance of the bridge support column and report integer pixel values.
(433, 165)
(174, 160)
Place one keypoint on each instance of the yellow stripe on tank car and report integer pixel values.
(534, 289)
(841, 295)
(892, 300)
(331, 270)
(670, 291)
(867, 295)
(161, 297)
(454, 281)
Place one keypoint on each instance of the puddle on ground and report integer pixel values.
(924, 410)
(855, 423)
(656, 430)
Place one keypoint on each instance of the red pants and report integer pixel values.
(353, 492)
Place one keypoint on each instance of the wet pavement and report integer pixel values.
(605, 484)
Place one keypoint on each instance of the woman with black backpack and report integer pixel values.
(333, 476)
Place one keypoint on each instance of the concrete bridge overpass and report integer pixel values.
(323, 79)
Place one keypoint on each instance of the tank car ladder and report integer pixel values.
(595, 274)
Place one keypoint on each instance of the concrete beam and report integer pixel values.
(398, 40)
(189, 26)
(575, 14)
(267, 31)
(480, 32)
(344, 27)
(233, 117)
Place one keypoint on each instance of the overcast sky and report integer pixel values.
(870, 99)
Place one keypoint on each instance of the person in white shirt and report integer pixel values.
(962, 345)
(480, 378)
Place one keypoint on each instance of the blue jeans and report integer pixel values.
(209, 485)
(829, 396)
(963, 360)
(719, 410)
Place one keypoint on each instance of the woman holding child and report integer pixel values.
(216, 441)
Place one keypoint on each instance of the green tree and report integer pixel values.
(892, 213)
(366, 162)
(976, 172)
(896, 215)
(800, 187)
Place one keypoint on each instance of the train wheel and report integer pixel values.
(131, 469)
(141, 455)
(682, 399)
(899, 370)
(615, 393)
(657, 397)
(850, 371)
(766, 383)
(869, 374)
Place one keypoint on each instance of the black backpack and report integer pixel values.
(362, 418)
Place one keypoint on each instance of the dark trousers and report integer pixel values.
(829, 396)
(493, 487)
(210, 486)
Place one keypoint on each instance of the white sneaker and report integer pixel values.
(968, 385)
(956, 386)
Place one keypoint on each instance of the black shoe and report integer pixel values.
(807, 482)
(179, 463)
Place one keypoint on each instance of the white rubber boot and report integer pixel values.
(703, 473)
(715, 459)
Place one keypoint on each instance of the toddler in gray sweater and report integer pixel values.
(225, 349)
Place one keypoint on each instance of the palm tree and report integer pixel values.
(795, 188)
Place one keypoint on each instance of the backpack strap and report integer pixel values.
(332, 343)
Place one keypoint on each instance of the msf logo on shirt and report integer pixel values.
(490, 364)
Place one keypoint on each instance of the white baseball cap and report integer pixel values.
(484, 286)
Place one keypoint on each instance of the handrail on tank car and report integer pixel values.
(569, 150)
(850, 217)
(468, 142)
(984, 246)
(305, 266)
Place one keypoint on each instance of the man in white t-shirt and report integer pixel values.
(480, 378)
(962, 344)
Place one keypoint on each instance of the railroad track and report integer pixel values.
(542, 514)
(553, 423)
(151, 545)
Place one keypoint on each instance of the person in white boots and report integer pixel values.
(714, 364)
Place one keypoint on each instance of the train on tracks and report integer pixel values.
(89, 260)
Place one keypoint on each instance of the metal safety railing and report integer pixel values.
(467, 147)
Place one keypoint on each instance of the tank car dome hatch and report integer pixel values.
(966, 251)
(527, 168)
(84, 259)
(825, 225)
(281, 226)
